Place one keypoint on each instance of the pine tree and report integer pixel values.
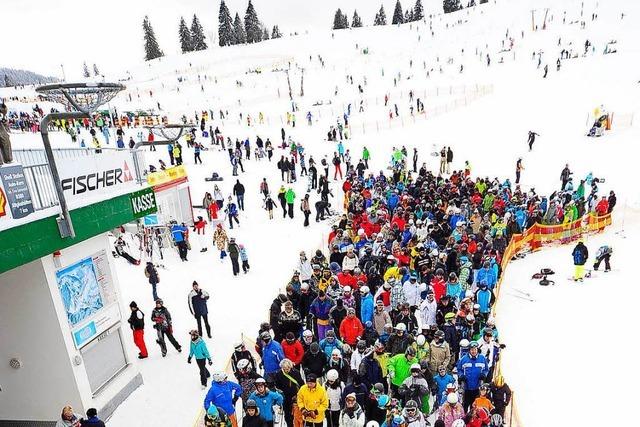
(398, 16)
(225, 26)
(252, 25)
(96, 72)
(85, 70)
(239, 36)
(408, 15)
(356, 22)
(418, 11)
(265, 34)
(7, 81)
(151, 48)
(340, 20)
(484, 1)
(381, 17)
(198, 40)
(451, 5)
(276, 34)
(186, 44)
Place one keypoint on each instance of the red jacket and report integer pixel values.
(602, 207)
(347, 280)
(213, 210)
(350, 330)
(293, 352)
(439, 288)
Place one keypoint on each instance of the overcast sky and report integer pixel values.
(40, 35)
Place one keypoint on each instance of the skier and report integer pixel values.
(580, 254)
(197, 300)
(198, 349)
(136, 321)
(151, 273)
(223, 394)
(162, 319)
(603, 254)
(238, 191)
(234, 254)
(519, 168)
(232, 212)
(531, 139)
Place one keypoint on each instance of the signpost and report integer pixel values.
(143, 202)
(16, 191)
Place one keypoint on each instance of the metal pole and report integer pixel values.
(65, 226)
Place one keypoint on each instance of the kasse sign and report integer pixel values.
(143, 202)
(105, 174)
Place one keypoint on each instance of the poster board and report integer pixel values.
(88, 296)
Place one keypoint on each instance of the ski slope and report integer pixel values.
(551, 342)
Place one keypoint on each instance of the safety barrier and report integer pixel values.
(533, 239)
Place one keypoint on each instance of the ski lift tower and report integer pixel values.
(81, 99)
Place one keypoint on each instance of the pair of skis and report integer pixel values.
(521, 294)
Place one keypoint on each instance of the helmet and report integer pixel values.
(219, 377)
(452, 398)
(243, 364)
(421, 340)
(449, 316)
(411, 404)
(238, 346)
(464, 343)
(401, 327)
(260, 380)
(332, 375)
(398, 419)
(372, 424)
(458, 423)
(391, 281)
(410, 351)
(251, 403)
(361, 345)
(346, 289)
(383, 400)
(484, 386)
(474, 344)
(364, 289)
(336, 352)
(415, 367)
(496, 420)
(307, 333)
(439, 334)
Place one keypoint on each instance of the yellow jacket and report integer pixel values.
(313, 400)
(392, 272)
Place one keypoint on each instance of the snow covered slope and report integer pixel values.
(489, 131)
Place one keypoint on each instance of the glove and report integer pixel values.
(210, 362)
(189, 359)
(234, 400)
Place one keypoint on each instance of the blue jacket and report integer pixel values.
(320, 309)
(199, 349)
(473, 370)
(327, 347)
(442, 381)
(406, 237)
(177, 232)
(392, 201)
(484, 299)
(272, 355)
(366, 309)
(487, 275)
(265, 403)
(223, 395)
(232, 209)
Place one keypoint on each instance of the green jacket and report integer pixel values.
(365, 154)
(400, 367)
(290, 196)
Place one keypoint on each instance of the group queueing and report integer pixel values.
(394, 327)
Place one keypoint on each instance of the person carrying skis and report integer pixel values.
(162, 319)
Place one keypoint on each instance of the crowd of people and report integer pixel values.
(394, 326)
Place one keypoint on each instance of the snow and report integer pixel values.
(546, 361)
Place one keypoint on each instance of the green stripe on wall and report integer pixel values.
(29, 242)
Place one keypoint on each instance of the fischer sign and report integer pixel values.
(104, 173)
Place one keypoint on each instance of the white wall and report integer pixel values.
(34, 328)
(67, 257)
(30, 331)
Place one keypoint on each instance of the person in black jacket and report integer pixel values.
(162, 319)
(234, 253)
(240, 352)
(197, 301)
(238, 191)
(288, 381)
(136, 321)
(500, 395)
(252, 416)
(274, 316)
(314, 360)
(152, 274)
(92, 419)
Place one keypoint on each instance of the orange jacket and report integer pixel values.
(351, 329)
